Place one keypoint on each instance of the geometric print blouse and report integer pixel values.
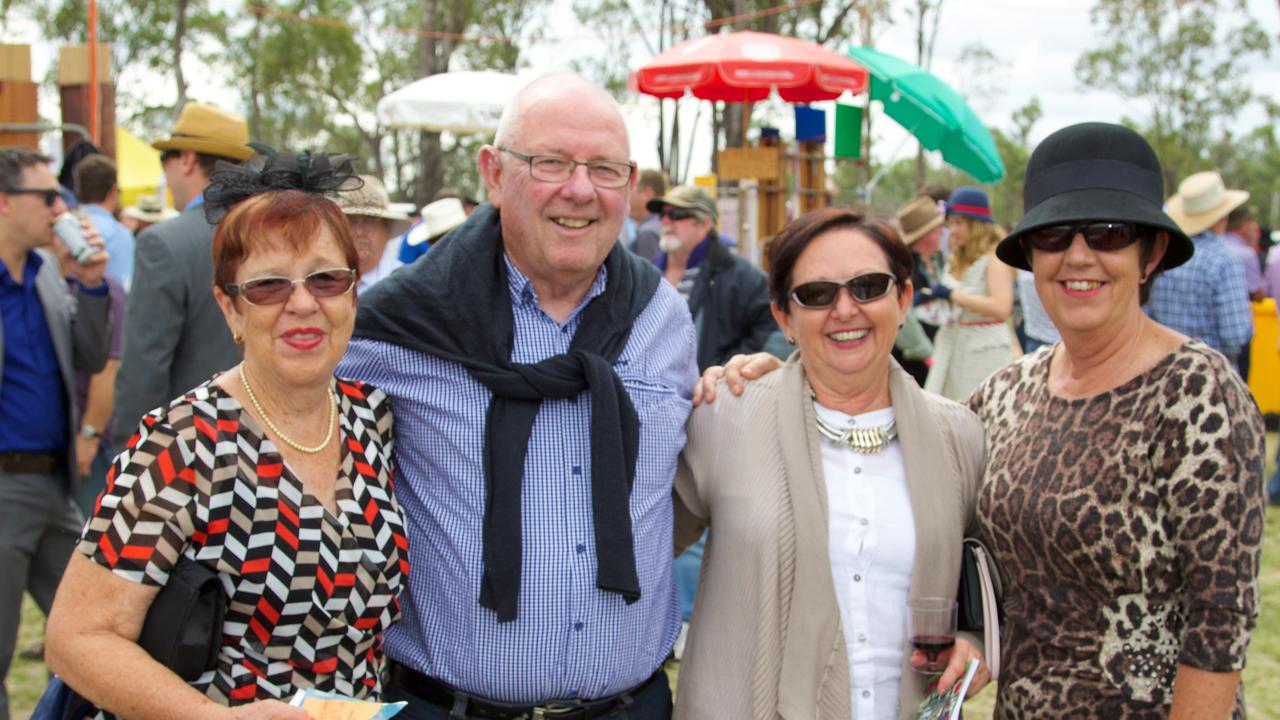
(310, 594)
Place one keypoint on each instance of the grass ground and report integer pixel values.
(1262, 688)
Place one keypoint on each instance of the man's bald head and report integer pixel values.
(558, 225)
(569, 93)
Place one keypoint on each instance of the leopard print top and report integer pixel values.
(1127, 528)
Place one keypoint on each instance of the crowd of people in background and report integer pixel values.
(505, 546)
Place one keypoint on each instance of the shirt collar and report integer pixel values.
(29, 271)
(196, 202)
(95, 209)
(523, 293)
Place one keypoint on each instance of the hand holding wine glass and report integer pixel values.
(931, 625)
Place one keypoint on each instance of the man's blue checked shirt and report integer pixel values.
(571, 639)
(1205, 298)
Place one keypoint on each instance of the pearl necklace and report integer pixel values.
(333, 410)
(865, 441)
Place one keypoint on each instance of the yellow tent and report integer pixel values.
(137, 167)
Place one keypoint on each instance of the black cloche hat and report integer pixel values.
(1094, 171)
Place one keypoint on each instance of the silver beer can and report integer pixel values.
(71, 234)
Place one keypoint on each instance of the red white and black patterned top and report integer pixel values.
(310, 594)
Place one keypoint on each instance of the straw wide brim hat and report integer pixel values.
(150, 209)
(371, 200)
(209, 130)
(1202, 200)
(918, 217)
(438, 218)
(1094, 171)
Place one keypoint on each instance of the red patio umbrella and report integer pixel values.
(745, 66)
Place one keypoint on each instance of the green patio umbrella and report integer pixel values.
(931, 111)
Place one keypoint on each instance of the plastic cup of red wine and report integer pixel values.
(931, 626)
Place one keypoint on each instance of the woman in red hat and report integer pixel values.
(977, 340)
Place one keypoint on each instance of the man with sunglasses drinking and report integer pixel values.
(175, 335)
(47, 335)
(540, 374)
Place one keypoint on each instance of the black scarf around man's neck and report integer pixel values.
(454, 304)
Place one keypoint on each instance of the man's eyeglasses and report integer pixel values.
(863, 289)
(50, 196)
(677, 214)
(1099, 236)
(275, 290)
(555, 169)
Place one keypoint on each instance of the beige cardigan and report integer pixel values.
(765, 639)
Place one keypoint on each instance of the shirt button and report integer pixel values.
(857, 578)
(577, 626)
(577, 469)
(864, 521)
(857, 471)
(862, 638)
(580, 548)
(866, 693)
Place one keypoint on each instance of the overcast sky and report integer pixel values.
(1036, 41)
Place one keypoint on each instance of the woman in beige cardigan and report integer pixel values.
(818, 536)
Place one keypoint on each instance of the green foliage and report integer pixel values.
(1185, 58)
(148, 35)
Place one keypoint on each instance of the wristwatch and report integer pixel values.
(89, 431)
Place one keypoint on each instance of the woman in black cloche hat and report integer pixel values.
(1122, 497)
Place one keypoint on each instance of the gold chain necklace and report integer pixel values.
(333, 410)
(865, 441)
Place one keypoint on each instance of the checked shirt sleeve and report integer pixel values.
(145, 517)
(1231, 306)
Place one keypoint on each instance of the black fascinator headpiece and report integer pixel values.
(233, 183)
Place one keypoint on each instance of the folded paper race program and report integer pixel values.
(329, 706)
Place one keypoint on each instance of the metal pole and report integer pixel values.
(95, 125)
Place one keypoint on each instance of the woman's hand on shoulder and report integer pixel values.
(735, 372)
(957, 660)
(266, 710)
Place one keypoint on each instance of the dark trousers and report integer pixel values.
(39, 527)
(652, 702)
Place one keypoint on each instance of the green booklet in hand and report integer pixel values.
(945, 705)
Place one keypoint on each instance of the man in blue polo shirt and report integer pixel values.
(47, 335)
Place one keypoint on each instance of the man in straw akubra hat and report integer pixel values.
(149, 211)
(175, 336)
(374, 225)
(921, 221)
(1206, 297)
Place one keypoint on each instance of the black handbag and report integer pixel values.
(979, 600)
(183, 627)
(182, 631)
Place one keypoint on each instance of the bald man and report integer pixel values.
(540, 375)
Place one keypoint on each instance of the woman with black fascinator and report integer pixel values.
(274, 475)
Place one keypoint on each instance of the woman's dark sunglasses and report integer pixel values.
(1099, 236)
(50, 196)
(863, 289)
(275, 290)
